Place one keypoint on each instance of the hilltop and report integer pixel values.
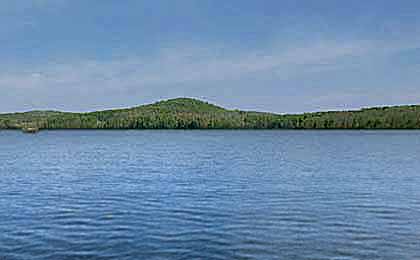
(188, 113)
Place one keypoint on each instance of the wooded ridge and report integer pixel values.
(187, 113)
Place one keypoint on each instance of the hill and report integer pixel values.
(187, 113)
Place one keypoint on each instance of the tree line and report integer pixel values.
(194, 114)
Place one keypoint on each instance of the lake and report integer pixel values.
(210, 195)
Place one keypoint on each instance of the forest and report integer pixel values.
(187, 113)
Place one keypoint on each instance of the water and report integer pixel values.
(210, 195)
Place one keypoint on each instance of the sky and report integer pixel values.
(282, 56)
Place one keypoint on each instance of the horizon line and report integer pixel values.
(215, 104)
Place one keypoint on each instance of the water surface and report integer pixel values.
(210, 195)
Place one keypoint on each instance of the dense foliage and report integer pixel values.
(185, 113)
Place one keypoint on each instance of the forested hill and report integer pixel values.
(186, 113)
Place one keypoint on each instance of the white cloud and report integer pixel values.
(179, 65)
(182, 65)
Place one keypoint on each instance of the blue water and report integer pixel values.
(210, 195)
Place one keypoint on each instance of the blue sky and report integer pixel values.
(271, 55)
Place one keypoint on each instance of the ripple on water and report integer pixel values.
(210, 195)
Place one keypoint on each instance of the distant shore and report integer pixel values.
(186, 113)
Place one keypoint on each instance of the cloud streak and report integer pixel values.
(179, 65)
(186, 66)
